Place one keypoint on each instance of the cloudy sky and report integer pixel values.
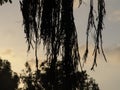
(13, 46)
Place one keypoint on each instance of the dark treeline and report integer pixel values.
(9, 80)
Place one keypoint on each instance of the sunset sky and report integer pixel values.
(13, 46)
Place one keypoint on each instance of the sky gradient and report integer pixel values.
(13, 46)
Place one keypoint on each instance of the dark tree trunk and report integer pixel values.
(69, 41)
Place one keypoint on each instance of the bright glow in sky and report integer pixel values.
(13, 46)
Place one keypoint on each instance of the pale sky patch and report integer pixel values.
(76, 3)
(7, 52)
(114, 16)
(114, 55)
(107, 73)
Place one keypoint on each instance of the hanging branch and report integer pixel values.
(53, 22)
(42, 19)
(91, 24)
(30, 21)
(98, 30)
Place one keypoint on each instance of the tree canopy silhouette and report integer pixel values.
(9, 80)
(29, 78)
(52, 22)
(81, 80)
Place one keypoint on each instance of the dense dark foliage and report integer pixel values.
(9, 80)
(44, 81)
(29, 79)
(53, 22)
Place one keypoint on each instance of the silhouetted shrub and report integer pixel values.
(9, 80)
(45, 79)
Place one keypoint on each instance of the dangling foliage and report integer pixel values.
(5, 1)
(53, 22)
(29, 11)
(98, 27)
